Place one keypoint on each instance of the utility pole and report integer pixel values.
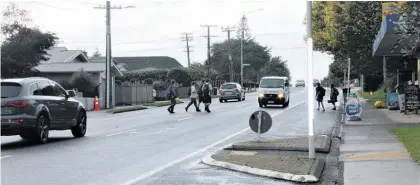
(311, 120)
(108, 78)
(208, 46)
(348, 75)
(188, 38)
(242, 57)
(228, 30)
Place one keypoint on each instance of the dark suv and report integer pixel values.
(31, 107)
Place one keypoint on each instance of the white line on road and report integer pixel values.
(244, 104)
(167, 165)
(6, 156)
(182, 119)
(122, 132)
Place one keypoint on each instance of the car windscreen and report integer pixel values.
(272, 83)
(10, 89)
(228, 86)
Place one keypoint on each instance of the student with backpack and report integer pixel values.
(192, 92)
(333, 96)
(320, 93)
(207, 95)
(200, 93)
(172, 94)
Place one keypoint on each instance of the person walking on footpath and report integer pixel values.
(207, 95)
(333, 96)
(320, 93)
(192, 92)
(200, 94)
(172, 94)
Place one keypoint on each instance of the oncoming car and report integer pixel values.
(274, 90)
(31, 107)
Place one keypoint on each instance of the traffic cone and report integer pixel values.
(96, 102)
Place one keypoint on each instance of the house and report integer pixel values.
(148, 63)
(63, 63)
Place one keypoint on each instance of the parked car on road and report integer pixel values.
(230, 91)
(31, 107)
(274, 90)
(300, 83)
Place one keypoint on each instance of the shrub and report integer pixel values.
(148, 81)
(182, 76)
(82, 81)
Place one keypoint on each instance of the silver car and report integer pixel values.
(231, 91)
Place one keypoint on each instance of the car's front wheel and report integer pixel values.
(80, 129)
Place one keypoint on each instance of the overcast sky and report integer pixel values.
(154, 27)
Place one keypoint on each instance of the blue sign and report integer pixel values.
(353, 109)
(392, 101)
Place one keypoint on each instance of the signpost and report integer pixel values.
(246, 65)
(260, 122)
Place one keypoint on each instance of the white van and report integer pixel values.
(274, 90)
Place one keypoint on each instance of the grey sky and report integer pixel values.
(154, 28)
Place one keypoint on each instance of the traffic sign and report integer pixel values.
(260, 122)
(246, 65)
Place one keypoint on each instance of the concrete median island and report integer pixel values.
(267, 158)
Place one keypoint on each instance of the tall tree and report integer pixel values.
(277, 67)
(96, 53)
(409, 26)
(24, 47)
(243, 27)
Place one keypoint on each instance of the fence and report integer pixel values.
(133, 94)
(87, 102)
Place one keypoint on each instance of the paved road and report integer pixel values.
(150, 146)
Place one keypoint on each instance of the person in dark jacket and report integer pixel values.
(200, 93)
(320, 93)
(172, 95)
(333, 96)
(207, 95)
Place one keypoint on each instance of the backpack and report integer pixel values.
(206, 89)
(322, 92)
(335, 91)
(169, 92)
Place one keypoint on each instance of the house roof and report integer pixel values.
(61, 61)
(63, 55)
(158, 62)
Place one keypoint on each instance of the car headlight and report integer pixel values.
(281, 95)
(261, 95)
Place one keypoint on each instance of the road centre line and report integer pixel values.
(182, 119)
(122, 132)
(172, 163)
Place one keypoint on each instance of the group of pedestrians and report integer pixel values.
(202, 92)
(320, 93)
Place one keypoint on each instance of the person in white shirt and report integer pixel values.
(192, 92)
(207, 88)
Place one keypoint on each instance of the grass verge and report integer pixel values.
(410, 138)
(376, 96)
(161, 103)
(127, 109)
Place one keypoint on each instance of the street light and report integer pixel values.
(310, 78)
(242, 46)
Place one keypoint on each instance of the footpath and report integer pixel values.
(372, 155)
(286, 157)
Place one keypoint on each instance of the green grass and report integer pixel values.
(127, 109)
(410, 138)
(376, 96)
(161, 103)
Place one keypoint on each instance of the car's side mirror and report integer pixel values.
(71, 94)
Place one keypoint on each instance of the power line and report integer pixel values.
(187, 38)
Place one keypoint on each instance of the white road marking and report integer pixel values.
(182, 119)
(122, 132)
(244, 104)
(6, 156)
(167, 165)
